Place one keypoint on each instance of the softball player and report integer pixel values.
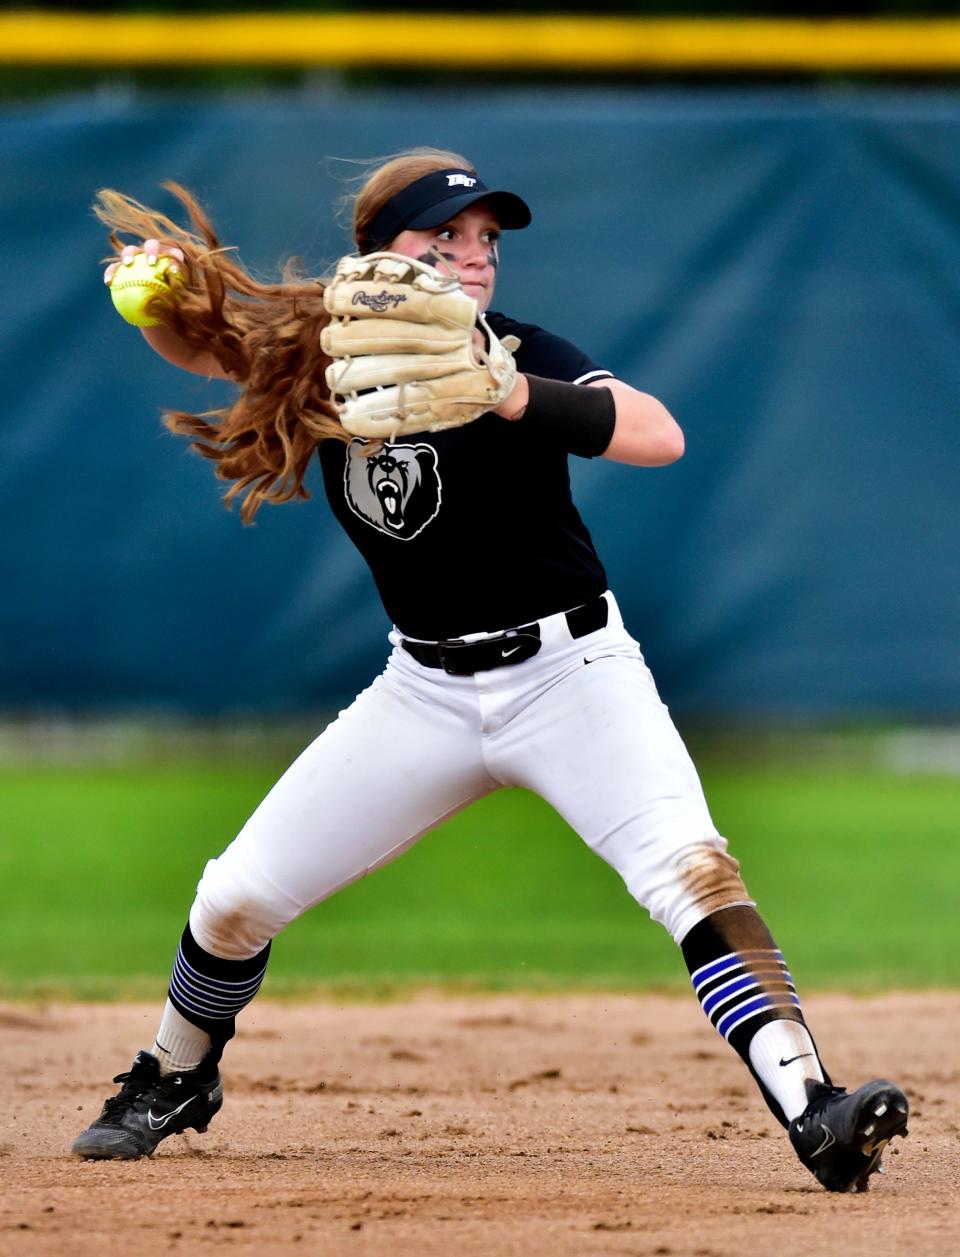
(514, 669)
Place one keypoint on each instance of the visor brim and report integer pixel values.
(511, 211)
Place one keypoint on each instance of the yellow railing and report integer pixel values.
(500, 42)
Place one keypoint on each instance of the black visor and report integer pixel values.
(438, 197)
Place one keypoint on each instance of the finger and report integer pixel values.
(446, 403)
(111, 270)
(129, 252)
(355, 375)
(342, 339)
(151, 248)
(395, 268)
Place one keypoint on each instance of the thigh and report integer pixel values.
(386, 771)
(601, 747)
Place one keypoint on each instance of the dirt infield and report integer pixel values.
(478, 1127)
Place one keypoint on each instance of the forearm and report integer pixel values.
(164, 341)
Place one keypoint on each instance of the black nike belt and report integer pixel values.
(502, 650)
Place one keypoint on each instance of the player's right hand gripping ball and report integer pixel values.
(410, 352)
(144, 274)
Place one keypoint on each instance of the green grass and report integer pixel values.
(856, 873)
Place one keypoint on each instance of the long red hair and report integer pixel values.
(265, 336)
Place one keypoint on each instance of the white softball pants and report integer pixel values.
(580, 724)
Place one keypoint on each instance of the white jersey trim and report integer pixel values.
(594, 375)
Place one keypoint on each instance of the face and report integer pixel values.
(468, 246)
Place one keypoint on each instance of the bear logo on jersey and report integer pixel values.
(396, 490)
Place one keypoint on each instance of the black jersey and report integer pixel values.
(472, 529)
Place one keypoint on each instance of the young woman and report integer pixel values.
(510, 663)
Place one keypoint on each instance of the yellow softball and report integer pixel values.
(134, 283)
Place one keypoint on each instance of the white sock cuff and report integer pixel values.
(180, 1045)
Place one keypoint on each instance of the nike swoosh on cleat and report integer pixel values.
(505, 654)
(794, 1058)
(828, 1139)
(158, 1123)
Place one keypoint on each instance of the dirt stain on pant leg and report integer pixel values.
(234, 935)
(711, 878)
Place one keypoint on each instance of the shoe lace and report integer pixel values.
(819, 1096)
(136, 1082)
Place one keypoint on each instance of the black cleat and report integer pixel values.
(148, 1108)
(840, 1138)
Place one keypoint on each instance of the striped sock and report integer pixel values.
(740, 987)
(210, 991)
(744, 986)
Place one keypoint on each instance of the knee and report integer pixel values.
(704, 878)
(710, 878)
(232, 916)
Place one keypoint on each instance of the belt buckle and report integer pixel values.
(461, 658)
(453, 644)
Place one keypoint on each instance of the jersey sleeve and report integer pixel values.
(541, 353)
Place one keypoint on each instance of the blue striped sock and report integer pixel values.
(741, 986)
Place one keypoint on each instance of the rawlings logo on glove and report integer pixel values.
(404, 360)
(379, 301)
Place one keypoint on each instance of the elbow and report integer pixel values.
(673, 445)
(663, 435)
(646, 434)
(665, 445)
